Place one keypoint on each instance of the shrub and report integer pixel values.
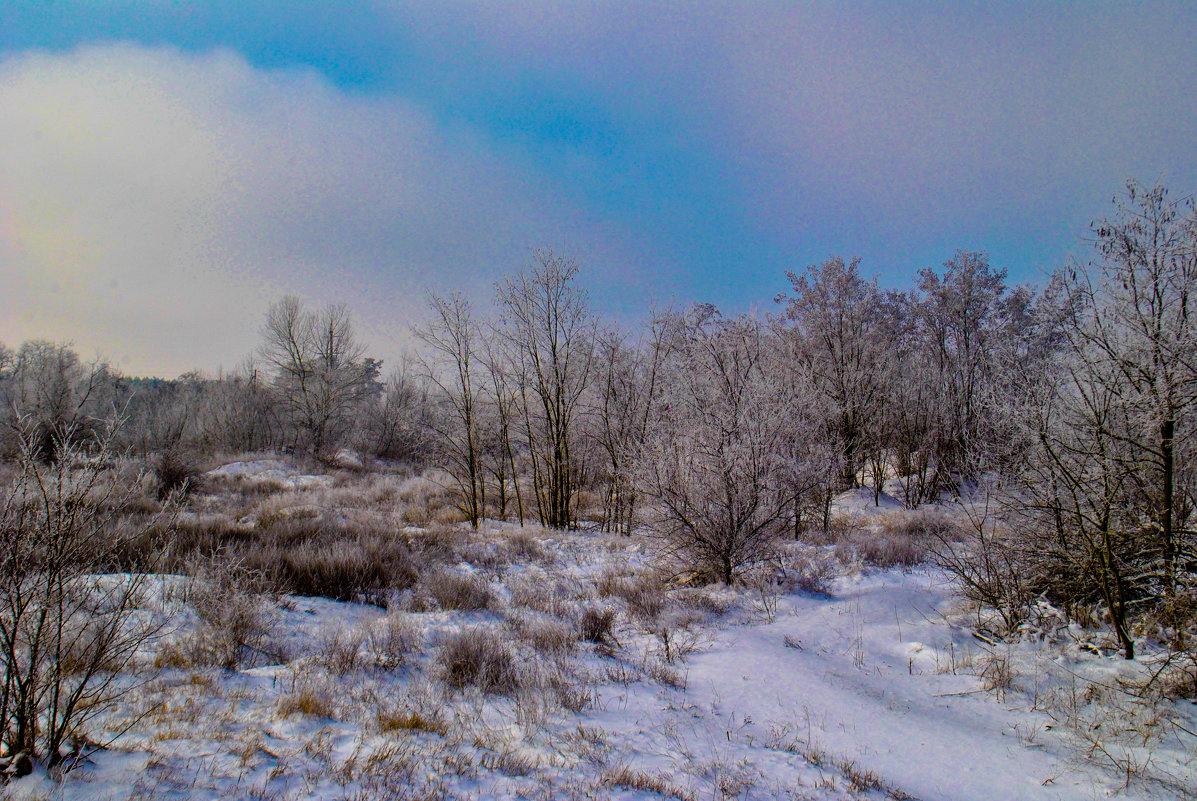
(996, 674)
(546, 635)
(340, 652)
(176, 474)
(389, 641)
(478, 658)
(454, 591)
(226, 595)
(994, 568)
(596, 625)
(307, 699)
(68, 633)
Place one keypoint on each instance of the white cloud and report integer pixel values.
(154, 203)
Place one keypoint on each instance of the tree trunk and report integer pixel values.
(1167, 435)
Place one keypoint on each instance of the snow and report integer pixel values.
(273, 470)
(859, 688)
(862, 502)
(877, 678)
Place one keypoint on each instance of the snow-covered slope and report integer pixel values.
(871, 691)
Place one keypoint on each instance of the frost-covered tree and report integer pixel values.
(48, 393)
(321, 375)
(455, 368)
(627, 391)
(400, 425)
(1142, 300)
(501, 432)
(1104, 492)
(1134, 327)
(841, 334)
(240, 412)
(548, 341)
(714, 465)
(973, 330)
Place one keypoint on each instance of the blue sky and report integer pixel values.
(172, 167)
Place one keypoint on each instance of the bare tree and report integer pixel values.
(627, 381)
(400, 425)
(714, 466)
(501, 436)
(52, 390)
(453, 338)
(548, 337)
(240, 413)
(321, 376)
(839, 329)
(66, 632)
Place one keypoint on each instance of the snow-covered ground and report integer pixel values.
(878, 676)
(877, 689)
(272, 470)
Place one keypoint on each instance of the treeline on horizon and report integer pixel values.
(1063, 414)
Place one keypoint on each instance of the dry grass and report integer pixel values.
(391, 721)
(479, 658)
(860, 779)
(227, 597)
(897, 539)
(626, 777)
(703, 600)
(392, 640)
(510, 761)
(340, 652)
(997, 675)
(679, 632)
(450, 590)
(307, 699)
(299, 552)
(596, 624)
(811, 571)
(343, 562)
(545, 635)
(523, 546)
(663, 673)
(542, 592)
(646, 594)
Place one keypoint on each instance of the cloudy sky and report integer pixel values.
(168, 169)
